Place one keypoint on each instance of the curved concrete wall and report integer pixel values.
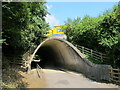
(64, 55)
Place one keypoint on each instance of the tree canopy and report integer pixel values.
(100, 33)
(23, 25)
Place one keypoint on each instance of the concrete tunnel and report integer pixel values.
(60, 53)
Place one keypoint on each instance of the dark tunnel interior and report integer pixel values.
(33, 65)
(48, 57)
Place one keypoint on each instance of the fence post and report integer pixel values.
(119, 76)
(101, 57)
(111, 74)
(91, 52)
(75, 45)
(83, 50)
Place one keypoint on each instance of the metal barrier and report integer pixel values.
(39, 71)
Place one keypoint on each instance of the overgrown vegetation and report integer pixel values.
(23, 25)
(23, 28)
(100, 33)
(12, 78)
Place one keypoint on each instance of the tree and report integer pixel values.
(23, 25)
(110, 34)
(100, 34)
(84, 32)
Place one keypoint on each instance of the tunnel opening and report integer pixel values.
(48, 58)
(56, 54)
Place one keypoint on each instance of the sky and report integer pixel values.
(61, 11)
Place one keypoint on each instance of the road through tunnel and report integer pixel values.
(62, 54)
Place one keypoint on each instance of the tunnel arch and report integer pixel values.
(67, 56)
(60, 46)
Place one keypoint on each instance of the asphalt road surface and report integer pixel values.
(61, 79)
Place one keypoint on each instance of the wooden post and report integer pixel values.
(101, 57)
(76, 46)
(111, 74)
(119, 76)
(82, 49)
(91, 52)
